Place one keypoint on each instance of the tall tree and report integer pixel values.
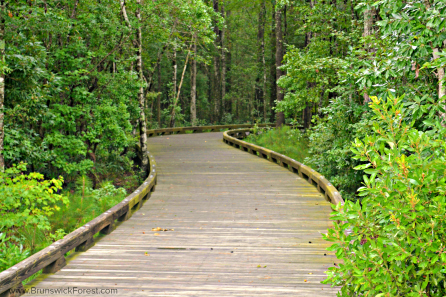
(273, 78)
(369, 16)
(2, 80)
(177, 95)
(280, 117)
(216, 90)
(260, 95)
(223, 62)
(193, 91)
(141, 96)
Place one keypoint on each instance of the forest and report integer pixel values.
(355, 88)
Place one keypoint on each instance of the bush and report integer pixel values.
(284, 140)
(11, 254)
(392, 241)
(330, 141)
(27, 199)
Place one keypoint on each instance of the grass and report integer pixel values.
(285, 140)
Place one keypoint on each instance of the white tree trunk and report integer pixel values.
(441, 87)
(141, 97)
(193, 92)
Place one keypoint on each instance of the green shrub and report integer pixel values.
(11, 254)
(284, 140)
(107, 189)
(392, 241)
(27, 199)
(330, 141)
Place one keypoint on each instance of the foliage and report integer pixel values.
(330, 141)
(11, 254)
(391, 243)
(78, 213)
(28, 199)
(284, 140)
(107, 189)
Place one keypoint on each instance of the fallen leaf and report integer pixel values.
(156, 234)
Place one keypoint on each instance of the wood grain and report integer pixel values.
(239, 226)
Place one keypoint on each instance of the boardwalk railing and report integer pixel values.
(52, 258)
(216, 128)
(233, 138)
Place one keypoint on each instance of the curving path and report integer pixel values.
(242, 226)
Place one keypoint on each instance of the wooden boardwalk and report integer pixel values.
(241, 226)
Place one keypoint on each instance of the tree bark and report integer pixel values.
(141, 97)
(223, 63)
(158, 98)
(175, 70)
(193, 78)
(265, 102)
(172, 114)
(216, 92)
(441, 87)
(273, 81)
(2, 82)
(369, 15)
(280, 117)
(228, 59)
(260, 101)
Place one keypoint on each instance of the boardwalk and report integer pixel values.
(240, 226)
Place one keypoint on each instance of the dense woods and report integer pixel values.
(82, 81)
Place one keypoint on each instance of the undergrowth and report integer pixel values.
(285, 140)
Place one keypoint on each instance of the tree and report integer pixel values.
(2, 80)
(280, 117)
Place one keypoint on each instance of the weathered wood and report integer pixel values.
(55, 266)
(51, 258)
(231, 137)
(13, 292)
(108, 229)
(85, 245)
(240, 226)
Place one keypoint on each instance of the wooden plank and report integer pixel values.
(239, 226)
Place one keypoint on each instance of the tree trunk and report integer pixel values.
(223, 64)
(2, 82)
(259, 86)
(158, 98)
(368, 30)
(228, 59)
(193, 91)
(141, 97)
(280, 118)
(216, 92)
(273, 81)
(172, 114)
(174, 78)
(441, 87)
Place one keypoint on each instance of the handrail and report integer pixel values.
(52, 258)
(233, 138)
(182, 130)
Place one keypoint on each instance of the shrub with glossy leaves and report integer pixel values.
(392, 242)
